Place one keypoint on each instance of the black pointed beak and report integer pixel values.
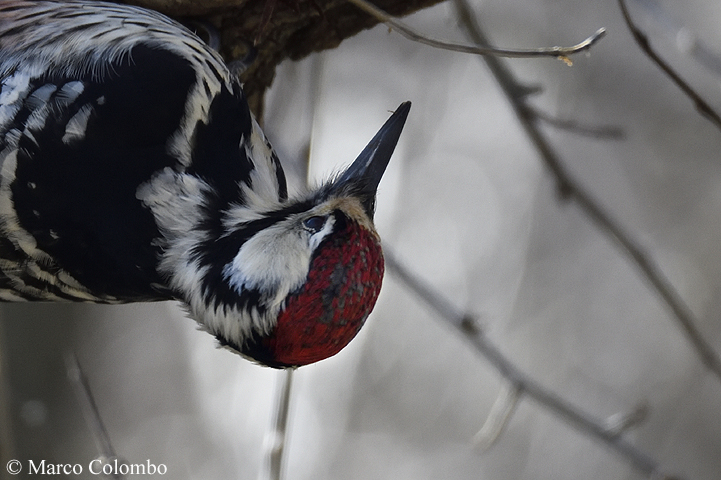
(363, 176)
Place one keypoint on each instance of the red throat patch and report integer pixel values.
(343, 284)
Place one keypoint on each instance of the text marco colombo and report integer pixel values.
(98, 466)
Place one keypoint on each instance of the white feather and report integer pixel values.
(69, 92)
(77, 125)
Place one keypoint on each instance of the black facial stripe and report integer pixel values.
(222, 247)
(220, 250)
(225, 296)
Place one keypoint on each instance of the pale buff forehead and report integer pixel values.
(348, 205)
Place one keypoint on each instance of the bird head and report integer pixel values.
(287, 283)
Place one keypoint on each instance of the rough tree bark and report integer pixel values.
(294, 29)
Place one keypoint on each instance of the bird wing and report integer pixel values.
(95, 99)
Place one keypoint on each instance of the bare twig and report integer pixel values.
(276, 438)
(521, 382)
(7, 448)
(607, 132)
(642, 40)
(499, 416)
(570, 189)
(622, 422)
(686, 40)
(481, 48)
(90, 410)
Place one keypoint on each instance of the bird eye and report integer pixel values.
(314, 224)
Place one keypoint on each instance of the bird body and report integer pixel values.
(131, 169)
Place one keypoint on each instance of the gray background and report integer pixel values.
(467, 205)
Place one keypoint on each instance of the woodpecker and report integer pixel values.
(132, 170)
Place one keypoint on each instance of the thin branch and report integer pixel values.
(499, 416)
(91, 412)
(642, 40)
(481, 48)
(622, 422)
(277, 438)
(7, 447)
(608, 132)
(570, 189)
(524, 384)
(686, 40)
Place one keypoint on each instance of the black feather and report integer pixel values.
(78, 199)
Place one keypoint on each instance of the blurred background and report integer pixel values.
(466, 205)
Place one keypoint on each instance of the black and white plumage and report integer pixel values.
(132, 170)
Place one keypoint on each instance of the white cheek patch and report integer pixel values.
(275, 260)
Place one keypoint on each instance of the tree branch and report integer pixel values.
(81, 385)
(276, 439)
(7, 448)
(523, 384)
(609, 132)
(482, 48)
(572, 190)
(501, 413)
(622, 422)
(642, 40)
